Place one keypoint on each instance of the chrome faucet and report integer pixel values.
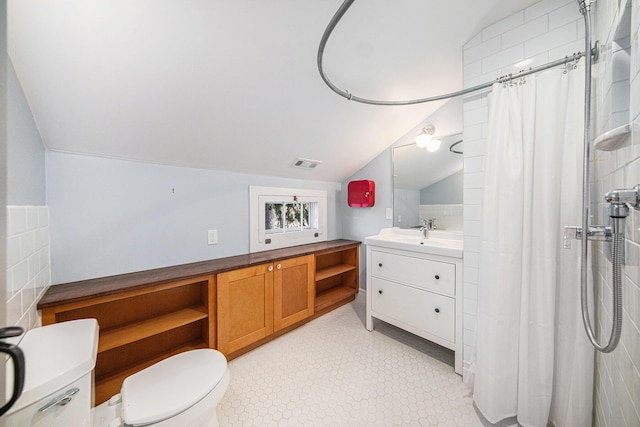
(425, 228)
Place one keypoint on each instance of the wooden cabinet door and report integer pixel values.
(245, 307)
(293, 290)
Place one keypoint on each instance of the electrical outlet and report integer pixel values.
(212, 237)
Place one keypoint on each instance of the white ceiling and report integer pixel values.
(233, 84)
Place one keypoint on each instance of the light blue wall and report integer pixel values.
(23, 184)
(358, 223)
(447, 191)
(112, 216)
(25, 164)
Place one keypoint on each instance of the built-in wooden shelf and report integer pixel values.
(337, 280)
(334, 270)
(147, 316)
(133, 332)
(141, 326)
(333, 296)
(109, 385)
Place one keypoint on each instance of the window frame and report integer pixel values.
(260, 196)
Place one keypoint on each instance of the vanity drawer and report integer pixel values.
(432, 313)
(418, 272)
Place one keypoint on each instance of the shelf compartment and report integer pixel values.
(121, 358)
(333, 296)
(117, 337)
(133, 306)
(334, 270)
(109, 385)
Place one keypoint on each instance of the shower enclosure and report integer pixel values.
(621, 202)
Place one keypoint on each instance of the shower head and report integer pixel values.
(584, 5)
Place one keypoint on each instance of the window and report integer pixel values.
(282, 217)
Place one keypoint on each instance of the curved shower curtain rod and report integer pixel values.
(345, 94)
(453, 145)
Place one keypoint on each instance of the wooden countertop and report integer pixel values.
(92, 288)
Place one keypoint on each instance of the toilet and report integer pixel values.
(182, 390)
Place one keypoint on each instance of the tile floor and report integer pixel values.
(333, 372)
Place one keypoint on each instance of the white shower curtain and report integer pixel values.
(533, 360)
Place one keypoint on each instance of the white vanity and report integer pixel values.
(415, 283)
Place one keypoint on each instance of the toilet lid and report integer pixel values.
(171, 386)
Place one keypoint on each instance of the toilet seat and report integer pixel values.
(171, 386)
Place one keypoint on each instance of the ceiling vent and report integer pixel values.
(305, 163)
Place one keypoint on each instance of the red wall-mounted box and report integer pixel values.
(362, 194)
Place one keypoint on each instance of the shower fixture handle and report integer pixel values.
(599, 233)
(619, 203)
(570, 233)
(625, 196)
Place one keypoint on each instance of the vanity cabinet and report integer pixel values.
(417, 292)
(255, 302)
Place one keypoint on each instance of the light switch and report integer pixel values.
(212, 237)
(389, 213)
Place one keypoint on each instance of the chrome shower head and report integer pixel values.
(584, 5)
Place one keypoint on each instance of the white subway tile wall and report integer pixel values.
(554, 29)
(28, 263)
(617, 91)
(448, 217)
(548, 30)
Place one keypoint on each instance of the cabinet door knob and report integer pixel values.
(437, 310)
(437, 277)
(270, 268)
(380, 291)
(279, 266)
(379, 264)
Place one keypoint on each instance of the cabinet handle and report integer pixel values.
(279, 266)
(437, 310)
(437, 277)
(270, 268)
(380, 291)
(379, 264)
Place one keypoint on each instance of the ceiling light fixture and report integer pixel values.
(426, 139)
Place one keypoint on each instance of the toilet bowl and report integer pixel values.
(182, 390)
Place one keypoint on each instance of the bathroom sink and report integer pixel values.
(439, 242)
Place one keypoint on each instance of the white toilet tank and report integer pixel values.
(58, 387)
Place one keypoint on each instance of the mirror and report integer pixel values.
(428, 185)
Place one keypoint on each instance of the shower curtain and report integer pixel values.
(533, 360)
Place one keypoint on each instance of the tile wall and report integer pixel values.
(546, 31)
(448, 217)
(617, 102)
(28, 263)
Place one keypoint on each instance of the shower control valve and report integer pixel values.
(600, 233)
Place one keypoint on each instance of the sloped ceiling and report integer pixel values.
(233, 84)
